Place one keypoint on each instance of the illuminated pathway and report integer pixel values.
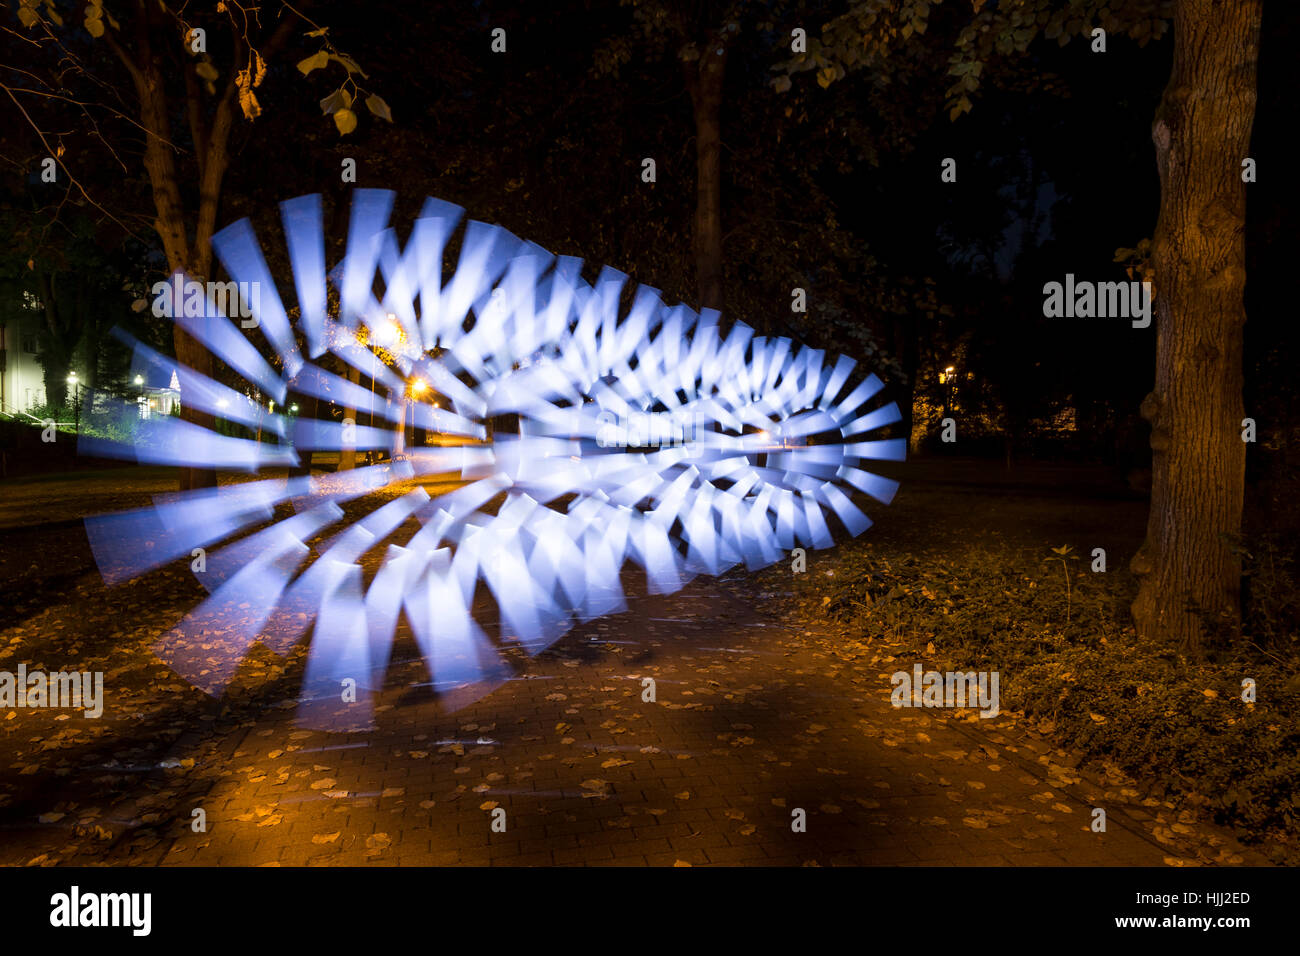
(753, 719)
(744, 730)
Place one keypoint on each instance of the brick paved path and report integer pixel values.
(753, 719)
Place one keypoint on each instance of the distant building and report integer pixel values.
(156, 398)
(22, 380)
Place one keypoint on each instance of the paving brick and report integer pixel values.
(884, 805)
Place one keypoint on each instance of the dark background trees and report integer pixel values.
(827, 177)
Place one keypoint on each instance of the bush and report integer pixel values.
(1270, 612)
(47, 411)
(1072, 663)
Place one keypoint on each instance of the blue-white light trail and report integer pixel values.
(652, 435)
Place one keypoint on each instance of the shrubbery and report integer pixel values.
(1078, 671)
(117, 424)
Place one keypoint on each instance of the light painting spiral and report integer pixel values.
(639, 434)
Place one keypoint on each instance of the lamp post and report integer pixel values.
(418, 388)
(76, 402)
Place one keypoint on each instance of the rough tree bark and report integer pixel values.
(348, 456)
(192, 259)
(1190, 572)
(704, 81)
(310, 408)
(56, 359)
(906, 342)
(188, 252)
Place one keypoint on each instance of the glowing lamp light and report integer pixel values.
(387, 332)
(418, 386)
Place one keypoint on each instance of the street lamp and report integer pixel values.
(76, 402)
(418, 387)
(387, 332)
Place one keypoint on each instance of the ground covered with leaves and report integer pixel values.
(773, 693)
(971, 576)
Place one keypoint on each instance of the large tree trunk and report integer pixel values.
(187, 253)
(1190, 572)
(348, 456)
(907, 348)
(190, 255)
(56, 357)
(88, 333)
(308, 407)
(160, 165)
(704, 80)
